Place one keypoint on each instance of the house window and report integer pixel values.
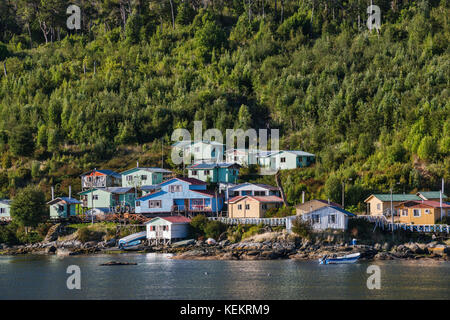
(416, 212)
(194, 172)
(2, 210)
(144, 177)
(95, 197)
(175, 188)
(239, 206)
(197, 149)
(378, 206)
(154, 204)
(427, 211)
(206, 172)
(138, 203)
(404, 212)
(316, 218)
(129, 178)
(332, 219)
(247, 207)
(264, 206)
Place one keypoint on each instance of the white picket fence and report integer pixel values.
(254, 221)
(384, 223)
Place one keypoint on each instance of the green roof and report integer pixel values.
(397, 197)
(432, 194)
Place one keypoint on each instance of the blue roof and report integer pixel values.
(6, 201)
(335, 208)
(149, 196)
(65, 199)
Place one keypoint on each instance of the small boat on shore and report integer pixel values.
(349, 258)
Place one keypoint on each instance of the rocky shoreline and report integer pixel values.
(246, 250)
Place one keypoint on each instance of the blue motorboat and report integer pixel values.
(349, 258)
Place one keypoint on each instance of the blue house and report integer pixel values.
(180, 195)
(63, 207)
(215, 172)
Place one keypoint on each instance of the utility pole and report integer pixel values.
(392, 216)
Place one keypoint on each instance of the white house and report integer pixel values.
(329, 217)
(5, 208)
(252, 189)
(244, 157)
(285, 159)
(167, 229)
(207, 151)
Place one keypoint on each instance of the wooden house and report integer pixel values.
(139, 176)
(63, 207)
(187, 195)
(380, 203)
(5, 210)
(167, 229)
(100, 179)
(243, 157)
(253, 189)
(312, 205)
(285, 159)
(328, 217)
(215, 172)
(109, 199)
(208, 151)
(252, 206)
(422, 211)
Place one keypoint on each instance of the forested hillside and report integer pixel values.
(374, 107)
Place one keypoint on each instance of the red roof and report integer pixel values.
(257, 198)
(177, 219)
(426, 203)
(189, 180)
(207, 193)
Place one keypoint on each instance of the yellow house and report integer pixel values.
(380, 204)
(313, 205)
(422, 212)
(252, 206)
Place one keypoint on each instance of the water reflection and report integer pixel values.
(158, 277)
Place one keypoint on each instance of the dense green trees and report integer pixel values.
(28, 207)
(375, 103)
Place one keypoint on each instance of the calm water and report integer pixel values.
(157, 277)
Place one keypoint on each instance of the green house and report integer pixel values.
(138, 177)
(215, 172)
(285, 159)
(62, 208)
(109, 199)
(5, 209)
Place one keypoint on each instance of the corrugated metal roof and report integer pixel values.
(6, 201)
(257, 198)
(334, 208)
(149, 169)
(188, 180)
(429, 203)
(213, 165)
(66, 200)
(104, 171)
(171, 219)
(431, 194)
(261, 185)
(395, 197)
